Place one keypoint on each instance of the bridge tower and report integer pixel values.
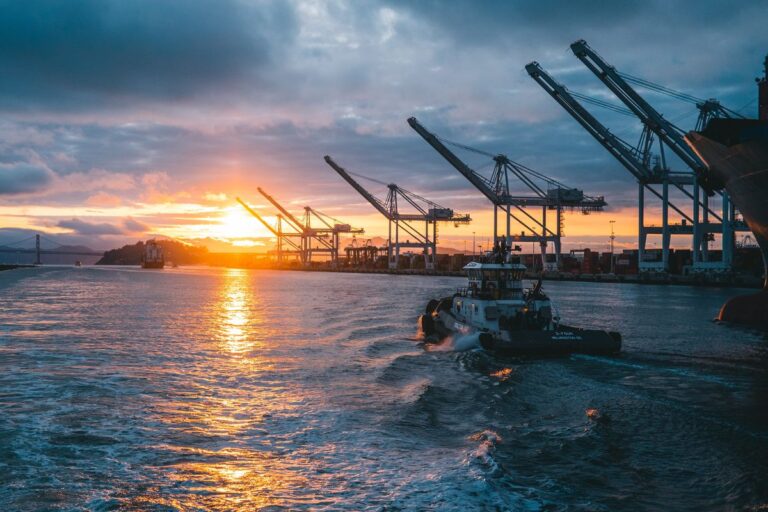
(37, 250)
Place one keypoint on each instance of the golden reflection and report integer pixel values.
(217, 426)
(232, 486)
(236, 309)
(503, 374)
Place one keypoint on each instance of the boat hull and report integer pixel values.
(152, 264)
(561, 341)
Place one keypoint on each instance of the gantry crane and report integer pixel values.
(671, 136)
(361, 253)
(429, 213)
(333, 227)
(548, 194)
(283, 238)
(310, 239)
(635, 159)
(315, 239)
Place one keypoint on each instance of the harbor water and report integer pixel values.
(223, 389)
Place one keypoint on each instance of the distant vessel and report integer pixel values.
(153, 255)
(506, 318)
(736, 154)
(78, 263)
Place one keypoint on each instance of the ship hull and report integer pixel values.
(736, 154)
(152, 264)
(561, 341)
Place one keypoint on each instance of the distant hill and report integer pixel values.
(177, 252)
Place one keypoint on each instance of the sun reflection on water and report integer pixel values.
(236, 310)
(217, 449)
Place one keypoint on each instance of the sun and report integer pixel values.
(238, 223)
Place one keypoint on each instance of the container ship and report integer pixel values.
(735, 152)
(153, 255)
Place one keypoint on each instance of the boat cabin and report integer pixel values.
(494, 281)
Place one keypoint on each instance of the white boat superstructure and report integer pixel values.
(506, 316)
(495, 301)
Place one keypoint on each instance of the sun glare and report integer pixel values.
(237, 223)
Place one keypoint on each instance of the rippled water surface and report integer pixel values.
(201, 389)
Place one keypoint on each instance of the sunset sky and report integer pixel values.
(125, 120)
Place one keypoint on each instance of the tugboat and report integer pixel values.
(153, 255)
(508, 319)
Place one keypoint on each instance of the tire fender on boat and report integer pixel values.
(427, 324)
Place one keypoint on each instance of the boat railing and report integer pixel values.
(487, 293)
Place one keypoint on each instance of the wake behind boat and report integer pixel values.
(507, 318)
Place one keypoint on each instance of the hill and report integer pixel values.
(177, 252)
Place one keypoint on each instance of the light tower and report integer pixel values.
(613, 237)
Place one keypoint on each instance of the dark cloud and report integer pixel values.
(497, 22)
(82, 227)
(24, 177)
(142, 84)
(96, 53)
(133, 226)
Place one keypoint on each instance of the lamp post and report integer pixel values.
(473, 245)
(613, 237)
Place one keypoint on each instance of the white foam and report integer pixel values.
(458, 343)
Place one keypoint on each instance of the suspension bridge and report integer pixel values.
(40, 245)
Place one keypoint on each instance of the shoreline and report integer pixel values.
(698, 280)
(11, 267)
(710, 281)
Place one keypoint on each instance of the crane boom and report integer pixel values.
(616, 146)
(293, 221)
(666, 131)
(455, 161)
(361, 190)
(267, 225)
(259, 217)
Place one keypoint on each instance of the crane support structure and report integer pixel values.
(547, 194)
(311, 240)
(672, 136)
(650, 117)
(695, 219)
(633, 159)
(283, 239)
(428, 214)
(333, 229)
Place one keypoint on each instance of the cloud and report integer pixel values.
(88, 228)
(215, 197)
(131, 103)
(24, 177)
(103, 199)
(92, 53)
(133, 226)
